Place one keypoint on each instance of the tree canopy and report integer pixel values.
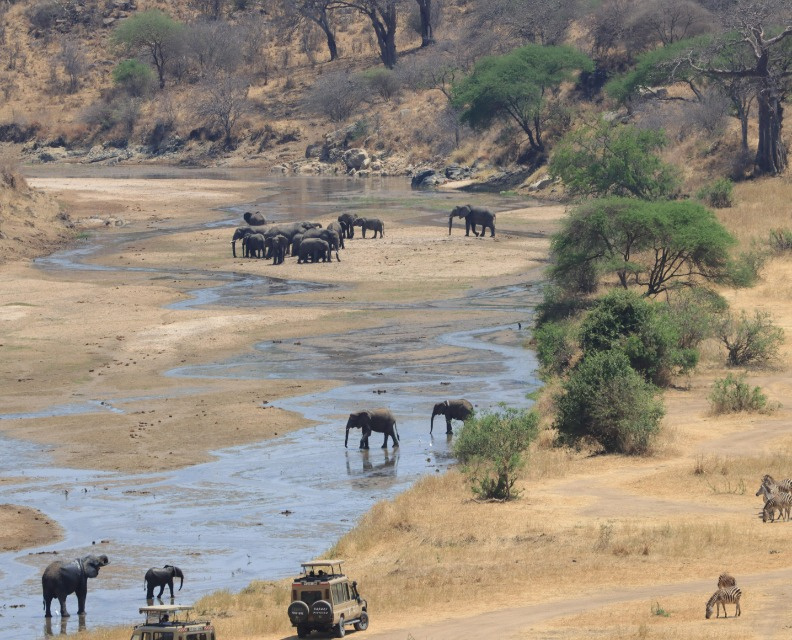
(516, 86)
(152, 31)
(654, 245)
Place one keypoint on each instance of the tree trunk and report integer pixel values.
(771, 154)
(322, 20)
(427, 33)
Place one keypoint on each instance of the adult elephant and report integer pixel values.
(379, 420)
(330, 236)
(452, 410)
(63, 578)
(346, 220)
(253, 245)
(336, 226)
(276, 246)
(291, 230)
(314, 248)
(254, 219)
(473, 216)
(240, 233)
(372, 224)
(156, 577)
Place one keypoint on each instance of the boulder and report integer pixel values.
(356, 159)
(457, 172)
(541, 183)
(426, 179)
(315, 150)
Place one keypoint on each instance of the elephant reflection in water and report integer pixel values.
(374, 467)
(48, 631)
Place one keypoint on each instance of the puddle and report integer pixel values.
(257, 511)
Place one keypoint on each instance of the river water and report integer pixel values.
(257, 511)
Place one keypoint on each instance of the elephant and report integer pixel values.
(330, 236)
(452, 409)
(156, 577)
(346, 220)
(314, 248)
(336, 226)
(290, 230)
(240, 233)
(276, 246)
(253, 245)
(379, 420)
(62, 578)
(254, 219)
(473, 216)
(374, 224)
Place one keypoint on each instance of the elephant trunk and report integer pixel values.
(180, 575)
(346, 440)
(431, 424)
(450, 221)
(233, 247)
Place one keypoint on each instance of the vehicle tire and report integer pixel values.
(362, 624)
(340, 630)
(302, 631)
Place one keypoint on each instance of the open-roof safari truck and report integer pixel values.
(324, 599)
(172, 622)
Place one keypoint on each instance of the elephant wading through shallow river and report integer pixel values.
(63, 578)
(452, 409)
(379, 420)
(156, 577)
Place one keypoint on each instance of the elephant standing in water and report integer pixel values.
(156, 577)
(452, 410)
(379, 420)
(473, 216)
(63, 578)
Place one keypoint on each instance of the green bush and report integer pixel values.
(731, 395)
(135, 77)
(383, 82)
(558, 304)
(780, 240)
(644, 331)
(718, 194)
(555, 344)
(491, 448)
(751, 341)
(607, 401)
(745, 270)
(696, 312)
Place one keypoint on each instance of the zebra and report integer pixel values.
(784, 485)
(775, 500)
(726, 580)
(722, 597)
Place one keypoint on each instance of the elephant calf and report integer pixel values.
(63, 578)
(379, 420)
(373, 224)
(452, 409)
(156, 577)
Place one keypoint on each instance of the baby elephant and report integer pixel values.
(372, 224)
(63, 578)
(379, 420)
(156, 577)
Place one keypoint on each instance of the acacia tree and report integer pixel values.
(153, 32)
(317, 12)
(517, 86)
(383, 17)
(654, 245)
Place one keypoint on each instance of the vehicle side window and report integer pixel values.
(162, 635)
(346, 592)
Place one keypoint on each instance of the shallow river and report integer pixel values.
(257, 511)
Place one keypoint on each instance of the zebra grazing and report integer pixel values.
(726, 580)
(722, 597)
(784, 485)
(774, 499)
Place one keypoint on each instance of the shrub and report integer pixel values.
(607, 401)
(696, 312)
(745, 270)
(135, 77)
(641, 330)
(384, 82)
(555, 346)
(751, 341)
(731, 395)
(558, 304)
(491, 448)
(335, 95)
(780, 240)
(719, 194)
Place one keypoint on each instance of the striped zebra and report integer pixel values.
(784, 485)
(726, 580)
(722, 597)
(775, 500)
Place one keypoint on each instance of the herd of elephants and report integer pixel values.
(310, 242)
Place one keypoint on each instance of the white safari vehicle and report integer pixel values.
(172, 622)
(324, 599)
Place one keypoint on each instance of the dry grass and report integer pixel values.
(760, 205)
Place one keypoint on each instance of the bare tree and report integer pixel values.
(213, 46)
(335, 95)
(73, 61)
(428, 20)
(383, 16)
(670, 20)
(223, 102)
(316, 12)
(523, 21)
(211, 9)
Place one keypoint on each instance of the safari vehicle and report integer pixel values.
(324, 599)
(172, 622)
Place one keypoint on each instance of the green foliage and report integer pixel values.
(780, 240)
(751, 340)
(516, 86)
(655, 245)
(558, 304)
(719, 194)
(642, 330)
(609, 159)
(384, 82)
(744, 271)
(555, 346)
(153, 32)
(491, 448)
(135, 77)
(658, 610)
(731, 395)
(607, 401)
(696, 312)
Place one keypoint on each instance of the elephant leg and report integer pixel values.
(64, 611)
(448, 425)
(394, 437)
(170, 586)
(364, 439)
(150, 592)
(162, 589)
(81, 602)
(47, 606)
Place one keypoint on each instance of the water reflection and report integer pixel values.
(372, 463)
(64, 625)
